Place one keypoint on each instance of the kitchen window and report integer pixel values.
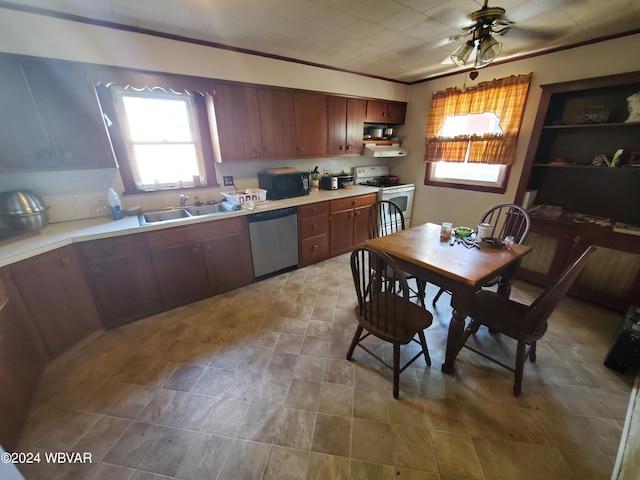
(160, 137)
(471, 135)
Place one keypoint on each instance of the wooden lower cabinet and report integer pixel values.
(197, 261)
(57, 298)
(349, 222)
(21, 364)
(612, 276)
(313, 232)
(120, 276)
(227, 254)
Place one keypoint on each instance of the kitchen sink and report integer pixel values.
(164, 215)
(206, 209)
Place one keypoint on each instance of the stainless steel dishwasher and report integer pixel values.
(274, 241)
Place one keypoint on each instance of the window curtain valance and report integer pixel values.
(505, 97)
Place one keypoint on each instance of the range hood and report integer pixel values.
(384, 151)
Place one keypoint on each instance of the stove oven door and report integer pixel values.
(401, 195)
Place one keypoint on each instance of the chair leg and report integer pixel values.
(435, 299)
(422, 291)
(354, 342)
(532, 352)
(396, 370)
(520, 358)
(425, 349)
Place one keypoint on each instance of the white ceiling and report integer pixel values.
(403, 40)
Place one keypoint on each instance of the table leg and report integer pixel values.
(454, 337)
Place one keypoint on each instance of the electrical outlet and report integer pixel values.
(228, 180)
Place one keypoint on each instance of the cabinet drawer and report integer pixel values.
(314, 248)
(353, 202)
(112, 247)
(314, 226)
(313, 209)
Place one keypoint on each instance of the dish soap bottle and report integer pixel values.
(116, 205)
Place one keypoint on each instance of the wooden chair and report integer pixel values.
(505, 219)
(525, 324)
(384, 218)
(385, 310)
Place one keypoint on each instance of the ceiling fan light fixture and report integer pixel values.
(462, 54)
(488, 49)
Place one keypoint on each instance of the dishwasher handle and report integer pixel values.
(272, 215)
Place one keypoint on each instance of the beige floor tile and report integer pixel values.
(309, 368)
(109, 471)
(372, 442)
(524, 425)
(412, 448)
(134, 444)
(206, 457)
(456, 455)
(245, 460)
(184, 377)
(260, 423)
(213, 381)
(483, 420)
(336, 399)
(168, 451)
(498, 459)
(226, 417)
(286, 464)
(133, 401)
(444, 415)
(303, 394)
(371, 471)
(543, 462)
(193, 411)
(295, 429)
(371, 404)
(102, 436)
(332, 435)
(322, 467)
(162, 407)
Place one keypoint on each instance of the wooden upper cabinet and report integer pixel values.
(346, 124)
(311, 124)
(237, 110)
(380, 111)
(51, 118)
(278, 121)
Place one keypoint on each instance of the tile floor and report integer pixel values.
(254, 384)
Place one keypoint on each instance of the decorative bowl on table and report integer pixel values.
(462, 232)
(492, 242)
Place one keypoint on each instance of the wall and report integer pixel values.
(463, 207)
(73, 195)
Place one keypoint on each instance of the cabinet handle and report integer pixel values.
(313, 227)
(354, 203)
(348, 147)
(341, 147)
(315, 247)
(98, 271)
(65, 262)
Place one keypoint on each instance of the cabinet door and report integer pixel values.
(337, 124)
(237, 116)
(376, 111)
(311, 124)
(122, 288)
(341, 231)
(360, 227)
(278, 123)
(57, 297)
(21, 365)
(228, 255)
(181, 274)
(23, 139)
(71, 113)
(396, 113)
(356, 113)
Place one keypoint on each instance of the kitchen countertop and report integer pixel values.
(56, 235)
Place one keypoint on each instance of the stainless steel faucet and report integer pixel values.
(183, 200)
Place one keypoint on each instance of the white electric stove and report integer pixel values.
(390, 187)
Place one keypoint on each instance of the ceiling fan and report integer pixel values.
(488, 22)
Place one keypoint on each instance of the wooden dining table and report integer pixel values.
(462, 271)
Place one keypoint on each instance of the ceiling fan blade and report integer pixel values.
(534, 9)
(447, 41)
(523, 33)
